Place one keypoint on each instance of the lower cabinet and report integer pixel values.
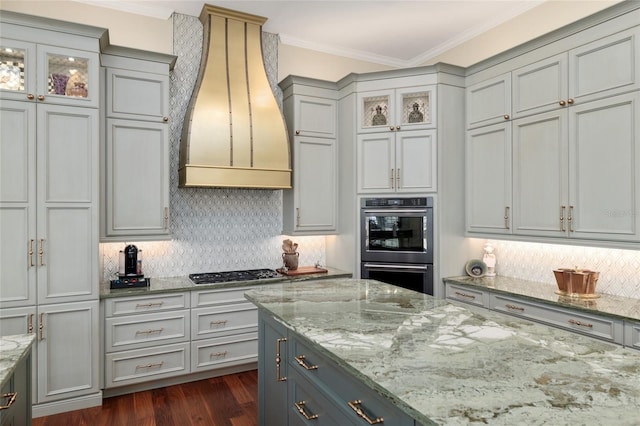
(632, 334)
(298, 384)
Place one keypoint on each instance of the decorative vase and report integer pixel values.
(79, 90)
(290, 260)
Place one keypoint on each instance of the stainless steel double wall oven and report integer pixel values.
(397, 241)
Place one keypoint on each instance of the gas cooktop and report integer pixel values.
(226, 276)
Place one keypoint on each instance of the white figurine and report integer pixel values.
(489, 259)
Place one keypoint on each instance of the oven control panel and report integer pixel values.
(397, 202)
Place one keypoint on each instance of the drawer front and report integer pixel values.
(632, 334)
(143, 365)
(145, 304)
(223, 352)
(138, 331)
(306, 402)
(467, 295)
(218, 297)
(222, 321)
(599, 327)
(343, 390)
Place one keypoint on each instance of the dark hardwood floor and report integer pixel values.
(220, 401)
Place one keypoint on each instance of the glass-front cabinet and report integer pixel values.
(394, 110)
(48, 74)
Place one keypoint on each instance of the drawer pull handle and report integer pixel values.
(218, 323)
(355, 406)
(153, 365)
(150, 331)
(279, 360)
(10, 397)
(149, 305)
(300, 406)
(300, 360)
(580, 323)
(218, 354)
(514, 307)
(471, 296)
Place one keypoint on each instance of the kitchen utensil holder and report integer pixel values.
(290, 260)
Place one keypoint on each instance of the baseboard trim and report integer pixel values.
(71, 404)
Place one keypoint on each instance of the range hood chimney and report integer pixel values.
(233, 133)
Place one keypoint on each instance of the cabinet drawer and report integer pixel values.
(137, 331)
(223, 352)
(632, 334)
(305, 399)
(342, 389)
(142, 365)
(222, 321)
(144, 304)
(218, 297)
(600, 327)
(467, 295)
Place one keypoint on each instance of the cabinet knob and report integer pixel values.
(41, 97)
(570, 101)
(297, 132)
(397, 127)
(30, 96)
(165, 119)
(391, 128)
(506, 116)
(562, 103)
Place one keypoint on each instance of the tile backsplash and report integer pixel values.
(214, 229)
(619, 269)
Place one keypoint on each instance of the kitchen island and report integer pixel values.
(15, 379)
(440, 362)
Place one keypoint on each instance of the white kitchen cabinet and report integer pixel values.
(310, 207)
(397, 162)
(488, 179)
(489, 102)
(135, 193)
(602, 68)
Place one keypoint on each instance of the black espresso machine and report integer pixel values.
(130, 269)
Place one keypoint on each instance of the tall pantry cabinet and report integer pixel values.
(49, 97)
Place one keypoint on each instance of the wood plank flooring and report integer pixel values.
(220, 401)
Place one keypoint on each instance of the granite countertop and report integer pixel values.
(12, 350)
(607, 305)
(444, 363)
(183, 283)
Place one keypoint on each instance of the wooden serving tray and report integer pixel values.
(302, 270)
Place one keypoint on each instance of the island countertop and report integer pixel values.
(447, 363)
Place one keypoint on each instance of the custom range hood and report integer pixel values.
(233, 133)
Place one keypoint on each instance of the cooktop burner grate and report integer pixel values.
(226, 276)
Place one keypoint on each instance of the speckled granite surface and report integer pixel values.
(614, 306)
(448, 364)
(179, 284)
(12, 350)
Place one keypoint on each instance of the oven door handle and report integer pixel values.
(391, 266)
(387, 211)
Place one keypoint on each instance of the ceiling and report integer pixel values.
(391, 32)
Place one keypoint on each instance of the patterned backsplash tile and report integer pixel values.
(214, 229)
(619, 269)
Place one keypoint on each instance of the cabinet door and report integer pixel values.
(415, 108)
(489, 102)
(488, 189)
(605, 67)
(540, 174)
(67, 245)
(137, 96)
(18, 61)
(376, 162)
(315, 180)
(541, 86)
(416, 160)
(137, 181)
(604, 155)
(17, 203)
(315, 117)
(67, 350)
(376, 111)
(272, 372)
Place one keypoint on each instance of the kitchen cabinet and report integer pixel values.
(15, 395)
(404, 108)
(488, 179)
(311, 206)
(632, 334)
(136, 146)
(468, 295)
(273, 370)
(49, 200)
(489, 102)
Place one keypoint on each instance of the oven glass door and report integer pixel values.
(397, 235)
(414, 277)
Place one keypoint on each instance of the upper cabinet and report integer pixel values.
(48, 74)
(310, 207)
(489, 102)
(408, 108)
(136, 146)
